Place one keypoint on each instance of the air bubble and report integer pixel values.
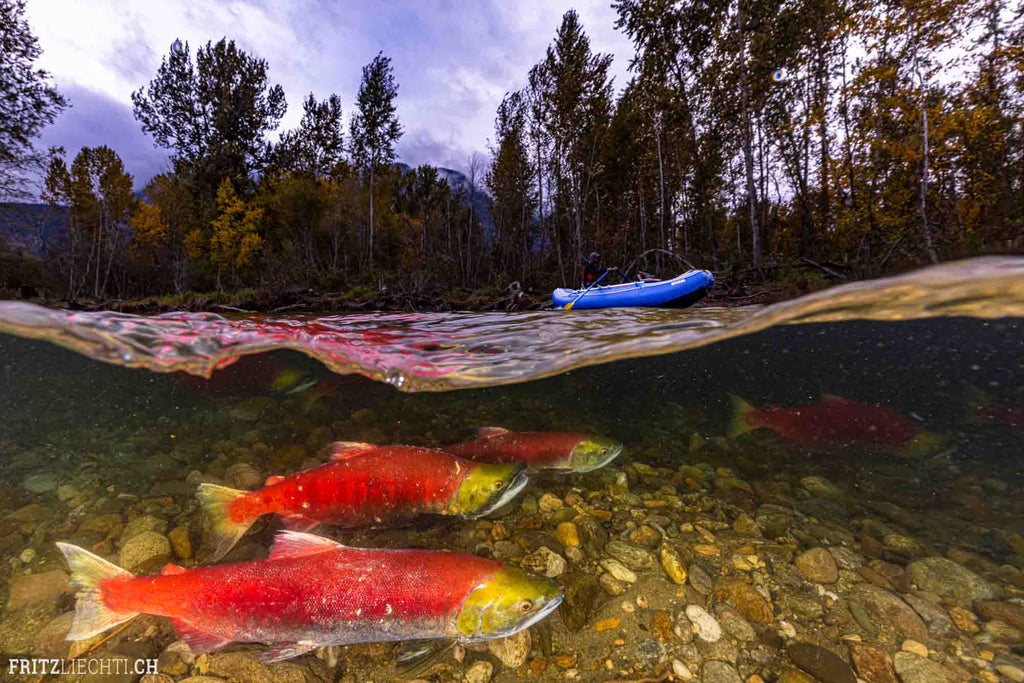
(177, 48)
(780, 75)
(395, 378)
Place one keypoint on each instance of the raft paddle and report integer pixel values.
(568, 306)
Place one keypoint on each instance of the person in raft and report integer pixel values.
(592, 270)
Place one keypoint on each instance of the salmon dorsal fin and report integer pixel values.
(298, 544)
(345, 450)
(485, 432)
(273, 479)
(171, 569)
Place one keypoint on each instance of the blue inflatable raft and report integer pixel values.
(679, 292)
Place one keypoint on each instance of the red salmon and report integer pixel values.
(313, 592)
(364, 485)
(539, 450)
(833, 423)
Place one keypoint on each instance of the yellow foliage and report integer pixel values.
(235, 239)
(148, 229)
(194, 244)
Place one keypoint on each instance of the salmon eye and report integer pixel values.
(498, 485)
(526, 605)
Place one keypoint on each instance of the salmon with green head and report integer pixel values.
(566, 451)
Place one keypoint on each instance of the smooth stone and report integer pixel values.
(795, 676)
(549, 502)
(1014, 673)
(888, 613)
(681, 671)
(29, 589)
(949, 580)
(618, 570)
(872, 665)
(593, 535)
(545, 562)
(251, 409)
(914, 669)
(176, 658)
(50, 641)
(479, 672)
(1007, 612)
(817, 565)
(181, 541)
(700, 580)
(708, 628)
(567, 534)
(141, 524)
(513, 650)
(27, 555)
(633, 556)
(904, 546)
(40, 483)
(751, 604)
(917, 648)
(242, 475)
(935, 618)
(735, 625)
(820, 486)
(821, 663)
(143, 547)
(583, 596)
(672, 564)
(715, 671)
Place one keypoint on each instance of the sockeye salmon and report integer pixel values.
(539, 450)
(835, 422)
(314, 592)
(364, 485)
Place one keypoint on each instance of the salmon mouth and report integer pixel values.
(516, 484)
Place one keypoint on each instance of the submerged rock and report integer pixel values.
(29, 589)
(583, 596)
(40, 483)
(479, 672)
(887, 613)
(820, 663)
(708, 628)
(513, 650)
(141, 524)
(633, 556)
(1008, 612)
(817, 565)
(949, 580)
(914, 669)
(872, 665)
(672, 564)
(715, 671)
(144, 547)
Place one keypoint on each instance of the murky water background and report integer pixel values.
(794, 553)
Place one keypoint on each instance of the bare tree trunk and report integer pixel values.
(748, 152)
(926, 231)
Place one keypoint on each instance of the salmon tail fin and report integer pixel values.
(741, 410)
(223, 530)
(88, 571)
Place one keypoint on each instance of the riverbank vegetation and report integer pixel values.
(783, 146)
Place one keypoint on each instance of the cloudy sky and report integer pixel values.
(453, 59)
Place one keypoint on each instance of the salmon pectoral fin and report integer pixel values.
(199, 641)
(282, 651)
(417, 657)
(298, 522)
(485, 432)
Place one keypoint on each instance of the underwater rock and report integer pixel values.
(479, 672)
(549, 502)
(846, 558)
(820, 663)
(1007, 612)
(611, 585)
(176, 658)
(888, 613)
(107, 525)
(745, 525)
(708, 628)
(1011, 671)
(144, 547)
(513, 650)
(618, 570)
(963, 619)
(817, 565)
(947, 579)
(917, 648)
(251, 409)
(29, 589)
(938, 622)
(681, 671)
(795, 676)
(672, 564)
(246, 666)
(141, 524)
(872, 664)
(736, 626)
(545, 562)
(751, 604)
(40, 483)
(567, 535)
(715, 671)
(633, 556)
(774, 520)
(646, 536)
(242, 475)
(27, 555)
(699, 579)
(582, 598)
(593, 535)
(904, 546)
(820, 486)
(914, 669)
(51, 640)
(181, 541)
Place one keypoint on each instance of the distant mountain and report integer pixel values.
(481, 200)
(26, 226)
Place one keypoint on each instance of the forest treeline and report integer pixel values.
(859, 137)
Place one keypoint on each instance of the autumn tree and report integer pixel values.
(234, 239)
(28, 101)
(375, 128)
